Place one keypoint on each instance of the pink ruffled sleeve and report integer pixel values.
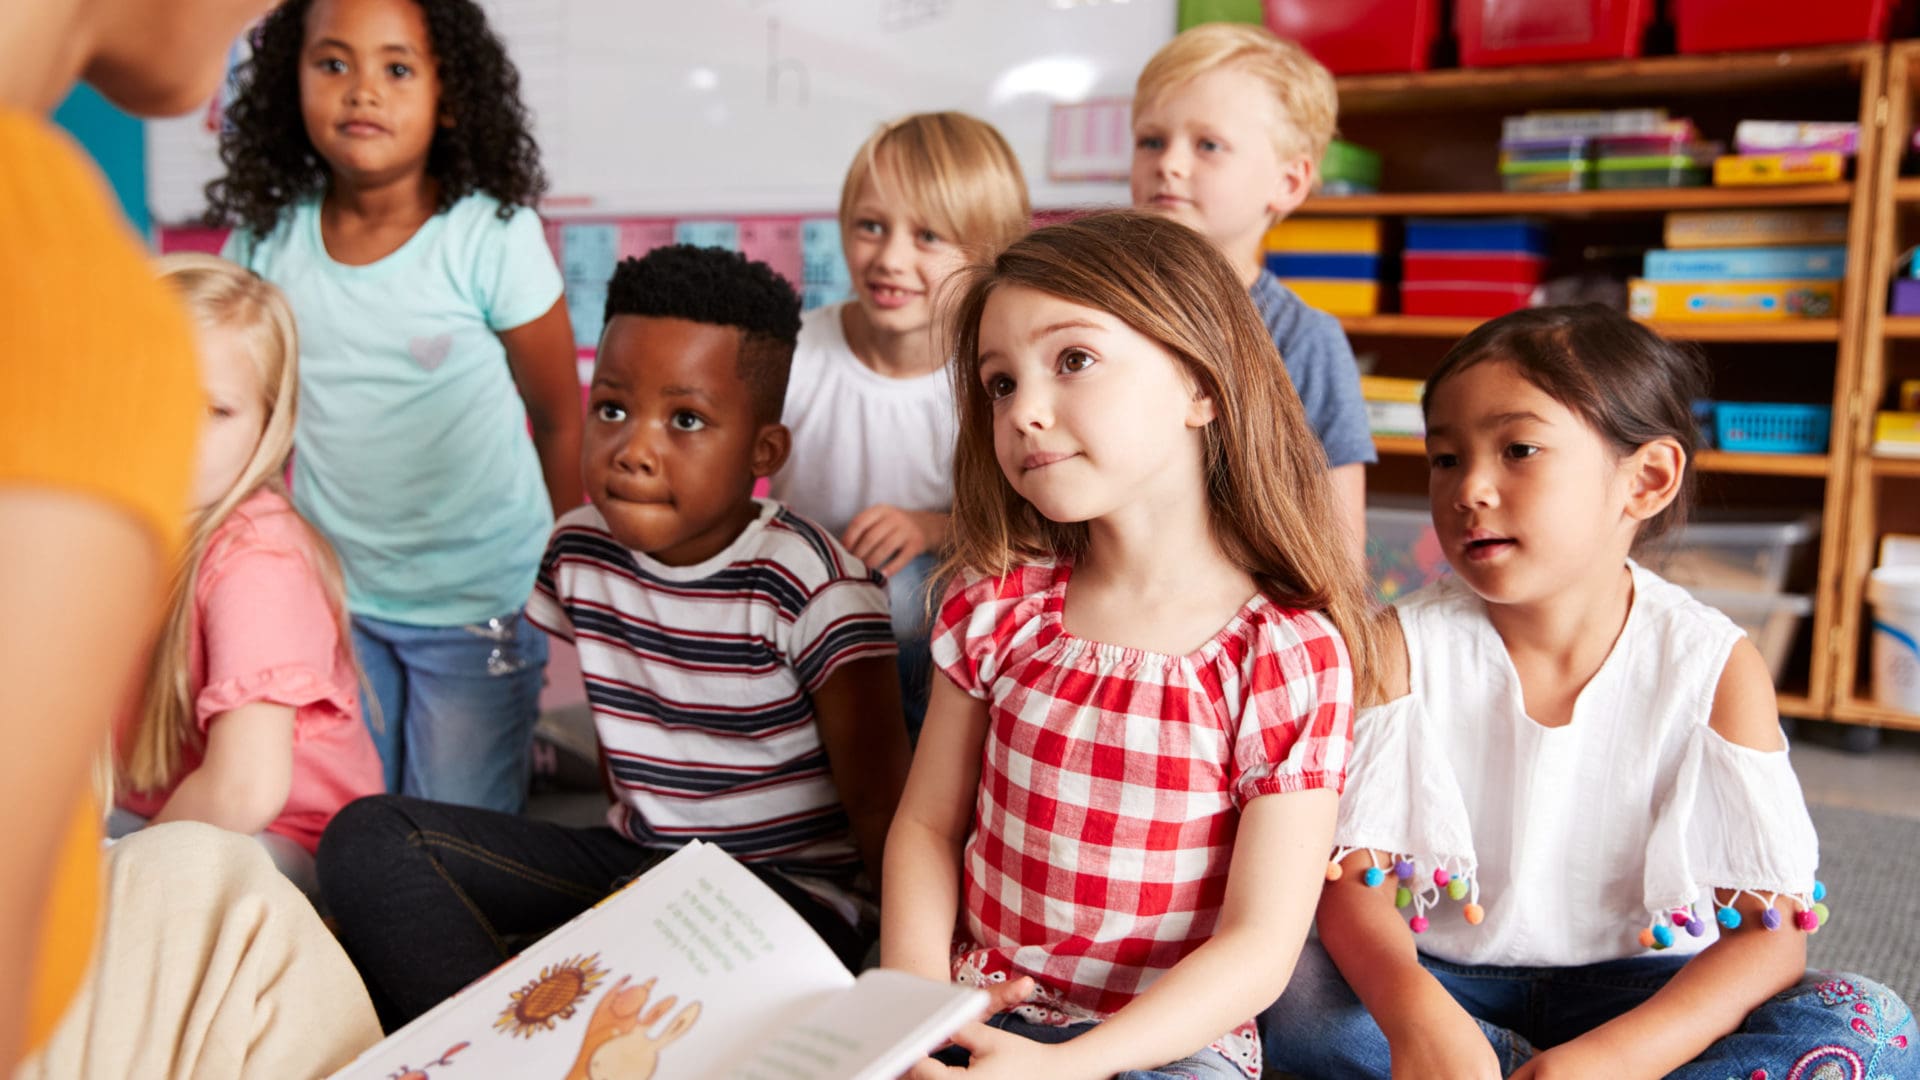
(269, 635)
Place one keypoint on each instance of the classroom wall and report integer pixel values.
(116, 141)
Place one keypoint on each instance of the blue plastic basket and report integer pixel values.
(1753, 428)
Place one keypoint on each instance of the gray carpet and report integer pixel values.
(1871, 866)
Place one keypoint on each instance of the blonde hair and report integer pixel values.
(220, 295)
(954, 170)
(1270, 500)
(1309, 105)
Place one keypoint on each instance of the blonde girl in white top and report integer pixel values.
(1571, 844)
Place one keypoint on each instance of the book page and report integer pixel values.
(874, 1031)
(666, 979)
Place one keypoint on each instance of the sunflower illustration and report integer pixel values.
(552, 997)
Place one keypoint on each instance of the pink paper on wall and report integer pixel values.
(776, 242)
(639, 237)
(192, 238)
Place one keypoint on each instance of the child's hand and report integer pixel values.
(1441, 1045)
(1568, 1061)
(886, 538)
(1002, 996)
(995, 1053)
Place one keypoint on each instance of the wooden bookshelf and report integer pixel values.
(1900, 326)
(1630, 201)
(1429, 326)
(1438, 132)
(1719, 461)
(1905, 468)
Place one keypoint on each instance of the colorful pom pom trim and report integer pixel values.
(1419, 882)
(1808, 912)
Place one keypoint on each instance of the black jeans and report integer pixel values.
(428, 897)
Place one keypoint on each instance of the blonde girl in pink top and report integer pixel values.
(249, 718)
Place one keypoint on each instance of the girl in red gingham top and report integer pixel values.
(1127, 779)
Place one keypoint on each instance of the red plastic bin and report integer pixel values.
(1705, 26)
(1357, 37)
(1494, 33)
(1489, 268)
(1462, 298)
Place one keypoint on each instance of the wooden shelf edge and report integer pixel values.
(1643, 200)
(1379, 93)
(1430, 326)
(1901, 326)
(1904, 468)
(1906, 189)
(1859, 711)
(1719, 461)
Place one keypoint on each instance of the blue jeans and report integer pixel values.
(457, 704)
(1318, 1028)
(912, 631)
(1208, 1064)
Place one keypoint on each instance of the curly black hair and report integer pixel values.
(719, 288)
(271, 163)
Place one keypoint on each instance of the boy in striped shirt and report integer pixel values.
(738, 660)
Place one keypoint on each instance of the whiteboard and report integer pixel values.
(675, 107)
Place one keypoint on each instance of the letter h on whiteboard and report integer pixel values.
(1092, 140)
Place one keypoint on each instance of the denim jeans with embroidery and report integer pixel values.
(1318, 1028)
(457, 705)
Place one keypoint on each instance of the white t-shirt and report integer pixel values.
(861, 438)
(1574, 839)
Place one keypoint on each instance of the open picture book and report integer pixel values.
(694, 970)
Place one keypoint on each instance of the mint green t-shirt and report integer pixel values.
(412, 454)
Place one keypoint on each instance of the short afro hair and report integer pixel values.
(719, 288)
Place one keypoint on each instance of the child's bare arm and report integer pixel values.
(865, 736)
(1428, 1033)
(1279, 859)
(243, 781)
(1713, 994)
(541, 356)
(1350, 504)
(922, 892)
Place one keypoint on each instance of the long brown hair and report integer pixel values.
(1270, 501)
(221, 295)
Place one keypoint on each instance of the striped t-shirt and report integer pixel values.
(701, 681)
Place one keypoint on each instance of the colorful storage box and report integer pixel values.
(1354, 37)
(1744, 551)
(1403, 552)
(1755, 428)
(1325, 235)
(1906, 297)
(1472, 266)
(1347, 169)
(1733, 301)
(1393, 405)
(1747, 264)
(1337, 297)
(1500, 235)
(1498, 32)
(1753, 170)
(1703, 26)
(1754, 228)
(1464, 299)
(1895, 434)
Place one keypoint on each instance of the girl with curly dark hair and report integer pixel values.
(381, 172)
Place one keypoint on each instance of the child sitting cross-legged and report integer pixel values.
(740, 664)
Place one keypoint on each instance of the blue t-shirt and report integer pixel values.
(412, 454)
(1321, 365)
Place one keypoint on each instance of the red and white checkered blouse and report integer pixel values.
(1112, 779)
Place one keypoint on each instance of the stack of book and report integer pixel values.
(1739, 265)
(1787, 152)
(1330, 263)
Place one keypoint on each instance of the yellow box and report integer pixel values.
(1336, 297)
(1387, 388)
(1804, 167)
(1733, 301)
(1330, 235)
(1896, 434)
